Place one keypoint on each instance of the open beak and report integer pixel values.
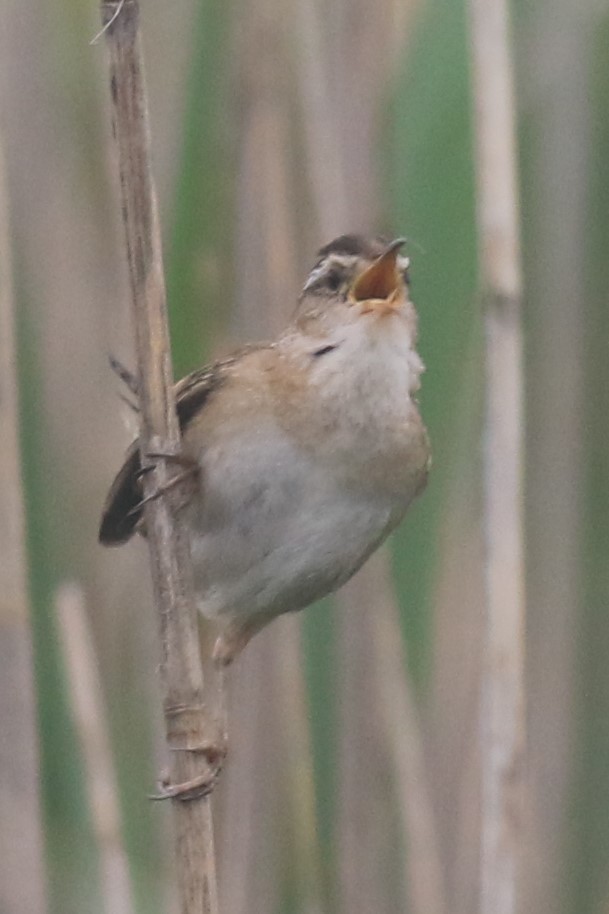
(381, 283)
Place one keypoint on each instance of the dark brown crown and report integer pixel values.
(356, 246)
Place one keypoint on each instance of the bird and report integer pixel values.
(308, 449)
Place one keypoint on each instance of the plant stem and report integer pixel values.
(21, 851)
(187, 724)
(424, 875)
(503, 725)
(86, 701)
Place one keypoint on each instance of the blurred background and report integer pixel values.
(353, 779)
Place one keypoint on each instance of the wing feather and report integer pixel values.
(120, 516)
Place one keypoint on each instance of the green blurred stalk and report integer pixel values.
(70, 853)
(431, 193)
(585, 881)
(198, 263)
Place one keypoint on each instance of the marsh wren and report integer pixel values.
(309, 449)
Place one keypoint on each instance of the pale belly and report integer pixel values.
(273, 532)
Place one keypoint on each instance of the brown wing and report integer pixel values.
(120, 516)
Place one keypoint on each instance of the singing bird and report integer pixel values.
(308, 449)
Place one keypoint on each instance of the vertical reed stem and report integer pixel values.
(503, 725)
(181, 673)
(90, 723)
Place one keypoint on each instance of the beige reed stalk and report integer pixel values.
(181, 674)
(503, 723)
(86, 702)
(368, 608)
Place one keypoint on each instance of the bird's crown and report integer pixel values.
(341, 261)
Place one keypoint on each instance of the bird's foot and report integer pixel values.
(210, 756)
(189, 473)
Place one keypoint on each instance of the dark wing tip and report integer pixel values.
(119, 519)
(120, 516)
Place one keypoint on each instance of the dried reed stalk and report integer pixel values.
(503, 724)
(266, 288)
(331, 103)
(368, 607)
(21, 869)
(86, 699)
(187, 723)
(300, 793)
(423, 869)
(334, 164)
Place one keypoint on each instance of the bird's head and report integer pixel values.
(369, 274)
(355, 312)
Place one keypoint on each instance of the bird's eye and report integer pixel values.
(406, 275)
(333, 280)
(324, 350)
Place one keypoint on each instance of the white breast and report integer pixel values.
(289, 511)
(274, 531)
